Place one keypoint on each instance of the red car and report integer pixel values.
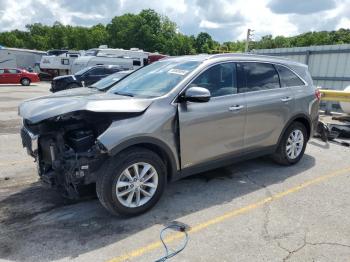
(18, 76)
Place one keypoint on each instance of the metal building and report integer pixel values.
(329, 65)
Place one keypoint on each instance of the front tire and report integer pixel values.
(132, 182)
(25, 81)
(292, 145)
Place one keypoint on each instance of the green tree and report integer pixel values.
(152, 32)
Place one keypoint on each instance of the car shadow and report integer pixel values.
(36, 224)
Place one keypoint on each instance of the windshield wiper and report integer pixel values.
(124, 94)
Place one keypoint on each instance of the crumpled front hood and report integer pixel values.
(79, 99)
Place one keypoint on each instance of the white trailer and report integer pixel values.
(130, 59)
(58, 65)
(86, 61)
(20, 58)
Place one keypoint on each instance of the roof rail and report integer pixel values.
(250, 55)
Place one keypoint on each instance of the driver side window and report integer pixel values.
(220, 80)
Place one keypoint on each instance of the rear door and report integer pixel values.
(214, 129)
(268, 105)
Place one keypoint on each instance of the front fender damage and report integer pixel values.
(68, 155)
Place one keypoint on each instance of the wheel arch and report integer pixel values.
(157, 146)
(301, 118)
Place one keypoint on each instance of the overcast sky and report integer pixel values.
(225, 20)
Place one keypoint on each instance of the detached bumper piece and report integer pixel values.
(30, 142)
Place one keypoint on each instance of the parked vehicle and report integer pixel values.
(134, 58)
(18, 76)
(58, 62)
(19, 58)
(85, 77)
(168, 120)
(109, 81)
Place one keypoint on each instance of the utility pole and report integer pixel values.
(249, 38)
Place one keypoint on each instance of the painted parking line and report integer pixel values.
(233, 213)
(11, 163)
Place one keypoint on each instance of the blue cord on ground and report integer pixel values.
(178, 227)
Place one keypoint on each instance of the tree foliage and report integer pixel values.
(153, 32)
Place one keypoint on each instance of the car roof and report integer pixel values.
(106, 66)
(235, 56)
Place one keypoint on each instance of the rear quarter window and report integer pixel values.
(288, 78)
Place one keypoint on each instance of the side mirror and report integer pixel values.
(196, 94)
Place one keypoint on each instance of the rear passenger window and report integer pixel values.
(288, 78)
(2, 71)
(256, 77)
(220, 80)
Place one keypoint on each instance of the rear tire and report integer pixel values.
(113, 182)
(292, 145)
(25, 81)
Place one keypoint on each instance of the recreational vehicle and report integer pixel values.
(133, 58)
(19, 58)
(58, 63)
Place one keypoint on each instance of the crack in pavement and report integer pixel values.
(292, 252)
(306, 243)
(265, 232)
(267, 235)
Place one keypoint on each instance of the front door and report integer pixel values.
(214, 129)
(13, 76)
(94, 75)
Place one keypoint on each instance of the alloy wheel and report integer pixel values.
(137, 185)
(295, 143)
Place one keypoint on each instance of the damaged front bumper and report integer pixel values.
(60, 166)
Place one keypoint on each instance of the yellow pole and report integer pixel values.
(335, 95)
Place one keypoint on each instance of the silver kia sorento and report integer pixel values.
(173, 118)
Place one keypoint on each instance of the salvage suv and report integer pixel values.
(168, 120)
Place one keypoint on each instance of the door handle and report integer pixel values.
(286, 99)
(235, 108)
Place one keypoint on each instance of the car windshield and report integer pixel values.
(109, 80)
(156, 79)
(82, 71)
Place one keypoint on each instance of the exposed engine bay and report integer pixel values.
(65, 148)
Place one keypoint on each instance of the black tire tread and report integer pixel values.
(23, 79)
(280, 156)
(103, 181)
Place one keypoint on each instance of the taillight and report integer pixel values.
(318, 94)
